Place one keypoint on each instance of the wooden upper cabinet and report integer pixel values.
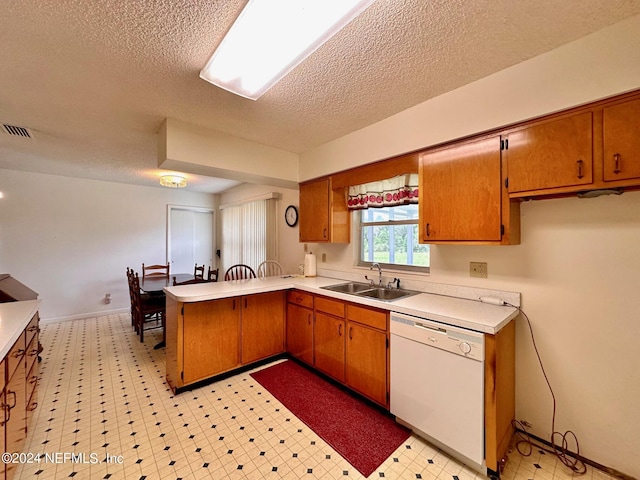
(621, 137)
(314, 211)
(460, 193)
(324, 216)
(593, 147)
(557, 153)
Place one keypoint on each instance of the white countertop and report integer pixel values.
(471, 314)
(14, 318)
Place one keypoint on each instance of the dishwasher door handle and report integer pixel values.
(428, 327)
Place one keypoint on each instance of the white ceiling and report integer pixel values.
(94, 80)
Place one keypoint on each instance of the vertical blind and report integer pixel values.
(249, 233)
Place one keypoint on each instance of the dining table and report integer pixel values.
(154, 286)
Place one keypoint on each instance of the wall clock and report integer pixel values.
(291, 215)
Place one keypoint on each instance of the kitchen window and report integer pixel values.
(389, 236)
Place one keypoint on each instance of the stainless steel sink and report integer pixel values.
(366, 290)
(387, 294)
(351, 287)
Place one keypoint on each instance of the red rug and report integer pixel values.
(364, 436)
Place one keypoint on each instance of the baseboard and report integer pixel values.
(82, 316)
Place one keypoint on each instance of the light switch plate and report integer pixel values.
(478, 269)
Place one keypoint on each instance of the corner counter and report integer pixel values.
(460, 312)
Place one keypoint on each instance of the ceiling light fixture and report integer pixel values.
(173, 181)
(269, 39)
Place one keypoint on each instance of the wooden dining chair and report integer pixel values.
(147, 308)
(198, 272)
(130, 275)
(212, 275)
(239, 272)
(155, 271)
(270, 268)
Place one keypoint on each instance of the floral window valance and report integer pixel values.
(400, 190)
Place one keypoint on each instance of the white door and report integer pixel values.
(190, 238)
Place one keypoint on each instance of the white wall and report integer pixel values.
(290, 251)
(578, 266)
(71, 239)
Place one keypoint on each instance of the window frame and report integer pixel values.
(387, 266)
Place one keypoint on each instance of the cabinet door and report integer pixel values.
(314, 211)
(3, 426)
(366, 367)
(211, 338)
(329, 345)
(555, 154)
(16, 401)
(262, 326)
(3, 413)
(460, 192)
(621, 132)
(300, 332)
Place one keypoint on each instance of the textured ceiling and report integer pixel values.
(95, 79)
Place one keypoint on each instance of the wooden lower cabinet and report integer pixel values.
(3, 418)
(366, 365)
(205, 339)
(329, 345)
(262, 329)
(15, 403)
(33, 378)
(211, 335)
(342, 340)
(300, 332)
(499, 394)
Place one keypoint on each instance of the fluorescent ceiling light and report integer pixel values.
(270, 38)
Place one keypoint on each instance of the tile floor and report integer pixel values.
(103, 395)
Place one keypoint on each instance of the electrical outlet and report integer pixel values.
(324, 257)
(478, 269)
(306, 248)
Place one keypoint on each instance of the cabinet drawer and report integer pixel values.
(16, 354)
(367, 316)
(300, 298)
(332, 307)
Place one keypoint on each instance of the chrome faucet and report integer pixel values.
(377, 265)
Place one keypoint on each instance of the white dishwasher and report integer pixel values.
(437, 385)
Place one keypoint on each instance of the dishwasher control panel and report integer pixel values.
(459, 341)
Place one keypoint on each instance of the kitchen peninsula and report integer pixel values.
(213, 329)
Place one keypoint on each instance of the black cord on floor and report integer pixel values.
(561, 449)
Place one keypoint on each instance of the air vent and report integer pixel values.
(16, 131)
